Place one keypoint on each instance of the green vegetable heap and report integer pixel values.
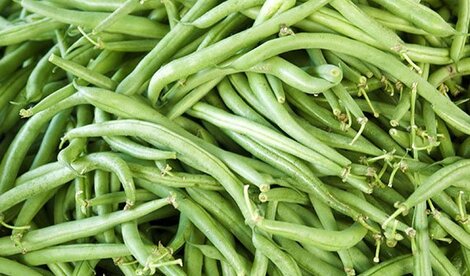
(237, 137)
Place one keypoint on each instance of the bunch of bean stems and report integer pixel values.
(237, 137)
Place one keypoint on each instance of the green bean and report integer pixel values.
(278, 257)
(128, 24)
(82, 72)
(328, 221)
(308, 217)
(102, 64)
(61, 176)
(427, 20)
(193, 256)
(308, 105)
(452, 228)
(39, 76)
(77, 146)
(283, 195)
(143, 45)
(348, 72)
(196, 129)
(229, 25)
(342, 27)
(218, 51)
(397, 266)
(275, 66)
(111, 162)
(241, 85)
(162, 51)
(388, 38)
(51, 139)
(324, 239)
(192, 98)
(23, 32)
(10, 267)
(122, 11)
(219, 12)
(12, 61)
(178, 180)
(182, 234)
(130, 147)
(436, 232)
(14, 86)
(85, 268)
(172, 13)
(420, 247)
(440, 262)
(60, 269)
(106, 6)
(365, 207)
(352, 180)
(28, 211)
(101, 187)
(74, 252)
(357, 64)
(210, 266)
(306, 260)
(272, 8)
(391, 21)
(261, 261)
(445, 144)
(401, 108)
(236, 104)
(339, 141)
(67, 231)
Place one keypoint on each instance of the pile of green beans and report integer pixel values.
(236, 137)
